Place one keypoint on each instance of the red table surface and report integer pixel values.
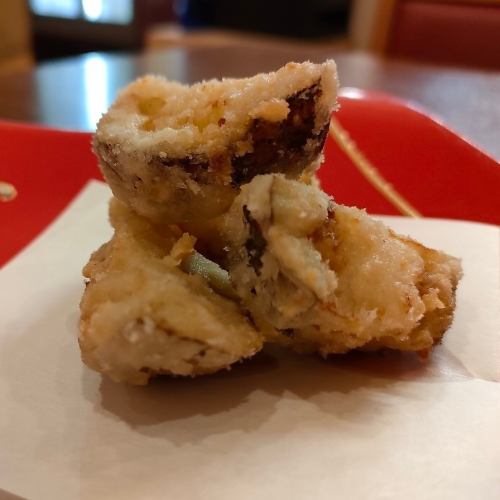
(436, 171)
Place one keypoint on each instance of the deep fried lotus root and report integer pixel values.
(324, 277)
(177, 153)
(142, 315)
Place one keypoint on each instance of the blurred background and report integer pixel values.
(445, 32)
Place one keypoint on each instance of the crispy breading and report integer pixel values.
(324, 277)
(176, 153)
(142, 315)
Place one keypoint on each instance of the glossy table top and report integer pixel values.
(72, 93)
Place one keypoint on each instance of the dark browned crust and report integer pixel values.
(131, 179)
(289, 333)
(287, 146)
(279, 146)
(256, 244)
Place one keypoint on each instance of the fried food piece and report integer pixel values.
(324, 277)
(142, 315)
(176, 153)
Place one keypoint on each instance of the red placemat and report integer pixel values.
(428, 165)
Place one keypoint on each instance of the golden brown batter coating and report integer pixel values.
(234, 163)
(321, 276)
(176, 153)
(142, 315)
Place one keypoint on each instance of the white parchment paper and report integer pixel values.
(279, 426)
